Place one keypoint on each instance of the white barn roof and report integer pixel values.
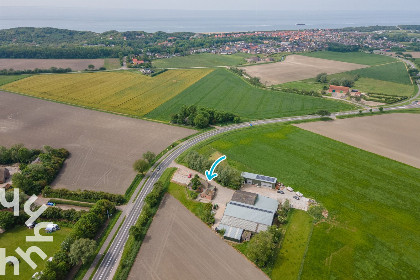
(262, 178)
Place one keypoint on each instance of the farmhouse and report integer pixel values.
(338, 89)
(4, 175)
(259, 180)
(247, 212)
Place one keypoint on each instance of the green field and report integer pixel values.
(112, 63)
(223, 90)
(121, 92)
(14, 238)
(5, 79)
(353, 57)
(373, 227)
(201, 60)
(289, 259)
(308, 85)
(392, 72)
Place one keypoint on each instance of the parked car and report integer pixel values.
(280, 192)
(189, 175)
(296, 197)
(31, 225)
(51, 228)
(50, 203)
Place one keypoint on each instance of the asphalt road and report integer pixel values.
(107, 268)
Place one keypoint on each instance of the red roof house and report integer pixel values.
(339, 89)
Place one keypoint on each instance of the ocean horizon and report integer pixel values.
(101, 20)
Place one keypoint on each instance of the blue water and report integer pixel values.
(196, 21)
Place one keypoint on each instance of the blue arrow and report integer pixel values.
(209, 174)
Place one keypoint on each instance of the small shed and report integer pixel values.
(231, 233)
(259, 180)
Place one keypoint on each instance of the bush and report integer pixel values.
(323, 113)
(322, 78)
(7, 220)
(85, 195)
(202, 117)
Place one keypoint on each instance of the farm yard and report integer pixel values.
(225, 91)
(121, 92)
(179, 245)
(297, 67)
(102, 146)
(370, 233)
(14, 238)
(393, 135)
(74, 64)
(201, 60)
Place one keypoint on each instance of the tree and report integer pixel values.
(335, 82)
(261, 248)
(82, 250)
(201, 121)
(7, 220)
(91, 67)
(345, 82)
(381, 109)
(149, 156)
(323, 113)
(141, 166)
(322, 78)
(195, 182)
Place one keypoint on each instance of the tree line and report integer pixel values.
(201, 117)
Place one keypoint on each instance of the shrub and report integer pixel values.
(85, 195)
(7, 220)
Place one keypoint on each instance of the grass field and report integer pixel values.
(5, 79)
(201, 60)
(223, 90)
(112, 63)
(289, 259)
(14, 238)
(353, 57)
(122, 92)
(308, 84)
(372, 201)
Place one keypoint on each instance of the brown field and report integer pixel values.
(298, 67)
(178, 245)
(396, 136)
(30, 64)
(103, 146)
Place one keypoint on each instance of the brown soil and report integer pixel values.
(103, 146)
(30, 64)
(298, 67)
(396, 136)
(180, 246)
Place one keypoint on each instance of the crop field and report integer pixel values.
(5, 79)
(178, 245)
(112, 63)
(352, 57)
(293, 247)
(14, 238)
(122, 92)
(102, 146)
(372, 230)
(225, 91)
(297, 67)
(201, 60)
(389, 135)
(30, 64)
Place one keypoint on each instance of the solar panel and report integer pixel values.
(266, 178)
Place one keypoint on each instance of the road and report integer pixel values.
(107, 267)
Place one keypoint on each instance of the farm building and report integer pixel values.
(338, 89)
(4, 175)
(247, 212)
(259, 180)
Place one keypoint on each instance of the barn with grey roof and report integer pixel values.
(259, 180)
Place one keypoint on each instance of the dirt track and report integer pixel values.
(103, 146)
(30, 64)
(298, 67)
(396, 136)
(179, 246)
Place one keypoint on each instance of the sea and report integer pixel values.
(100, 20)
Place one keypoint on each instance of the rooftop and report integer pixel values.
(244, 197)
(262, 178)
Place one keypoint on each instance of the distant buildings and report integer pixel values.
(338, 89)
(247, 213)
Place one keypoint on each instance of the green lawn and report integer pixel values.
(5, 79)
(225, 91)
(201, 60)
(14, 238)
(295, 242)
(308, 84)
(352, 57)
(372, 201)
(392, 72)
(112, 63)
(180, 193)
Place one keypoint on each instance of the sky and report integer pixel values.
(326, 5)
